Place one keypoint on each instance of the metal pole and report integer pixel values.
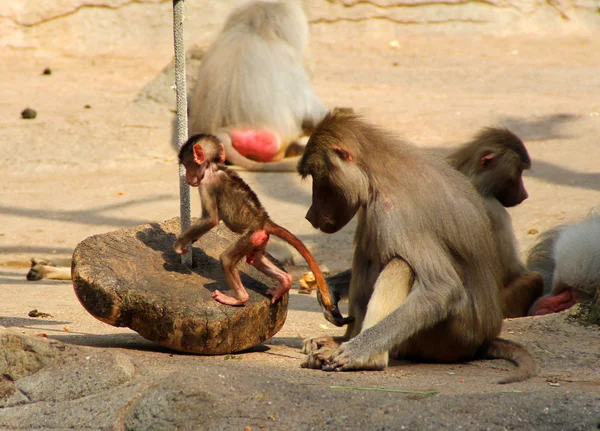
(182, 126)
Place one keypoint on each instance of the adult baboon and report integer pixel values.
(494, 161)
(425, 273)
(568, 257)
(254, 90)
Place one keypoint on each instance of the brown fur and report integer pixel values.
(424, 275)
(494, 161)
(510, 159)
(498, 178)
(226, 197)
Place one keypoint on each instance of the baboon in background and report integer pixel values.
(494, 161)
(568, 257)
(425, 272)
(254, 90)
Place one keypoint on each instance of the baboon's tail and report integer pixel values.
(500, 348)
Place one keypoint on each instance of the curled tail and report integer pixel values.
(331, 310)
(500, 348)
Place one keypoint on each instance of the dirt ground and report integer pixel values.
(74, 172)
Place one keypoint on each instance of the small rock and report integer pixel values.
(28, 113)
(87, 107)
(35, 313)
(47, 71)
(21, 355)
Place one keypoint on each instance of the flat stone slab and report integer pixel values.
(132, 278)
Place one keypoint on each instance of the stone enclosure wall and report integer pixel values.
(143, 27)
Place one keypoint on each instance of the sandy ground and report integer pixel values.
(73, 172)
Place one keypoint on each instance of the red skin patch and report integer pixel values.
(259, 145)
(259, 240)
(554, 304)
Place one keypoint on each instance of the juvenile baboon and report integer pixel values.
(494, 161)
(425, 273)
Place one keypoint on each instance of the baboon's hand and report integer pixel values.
(318, 350)
(354, 355)
(181, 246)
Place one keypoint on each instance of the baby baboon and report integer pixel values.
(225, 196)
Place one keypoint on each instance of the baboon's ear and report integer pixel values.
(486, 160)
(199, 156)
(342, 152)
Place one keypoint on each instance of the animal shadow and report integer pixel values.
(203, 263)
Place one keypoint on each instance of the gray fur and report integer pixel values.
(577, 257)
(541, 256)
(254, 75)
(568, 257)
